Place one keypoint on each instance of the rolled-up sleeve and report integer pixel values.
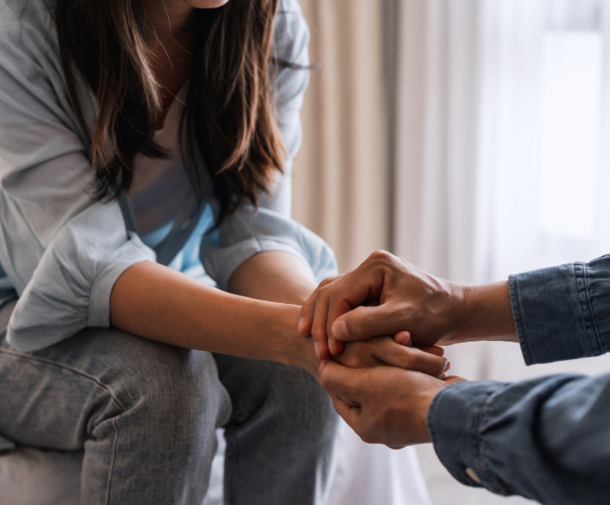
(546, 439)
(563, 312)
(61, 250)
(270, 228)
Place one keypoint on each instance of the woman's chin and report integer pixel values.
(206, 4)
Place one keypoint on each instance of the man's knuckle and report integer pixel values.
(327, 281)
(381, 255)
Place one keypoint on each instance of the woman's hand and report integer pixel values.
(386, 351)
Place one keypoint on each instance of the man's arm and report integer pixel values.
(545, 439)
(555, 314)
(386, 294)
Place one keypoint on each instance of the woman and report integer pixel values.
(144, 151)
(103, 224)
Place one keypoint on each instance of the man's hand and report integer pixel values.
(386, 295)
(383, 405)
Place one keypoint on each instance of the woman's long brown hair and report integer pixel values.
(229, 120)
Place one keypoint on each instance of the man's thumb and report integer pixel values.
(366, 322)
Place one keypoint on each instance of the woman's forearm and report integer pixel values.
(160, 304)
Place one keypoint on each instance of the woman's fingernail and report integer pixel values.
(301, 324)
(447, 366)
(316, 346)
(403, 338)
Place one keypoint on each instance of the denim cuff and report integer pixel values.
(562, 312)
(454, 420)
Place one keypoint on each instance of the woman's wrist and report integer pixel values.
(292, 349)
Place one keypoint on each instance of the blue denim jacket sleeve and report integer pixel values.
(563, 312)
(546, 439)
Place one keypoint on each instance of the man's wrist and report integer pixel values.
(424, 409)
(485, 313)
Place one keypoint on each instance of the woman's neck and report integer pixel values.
(169, 41)
(167, 19)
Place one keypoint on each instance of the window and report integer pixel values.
(570, 130)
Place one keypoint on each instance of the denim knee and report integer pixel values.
(299, 400)
(164, 390)
(278, 397)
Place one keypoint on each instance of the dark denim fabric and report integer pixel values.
(547, 439)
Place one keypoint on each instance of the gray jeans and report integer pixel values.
(146, 413)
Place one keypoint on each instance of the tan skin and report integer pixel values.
(385, 404)
(258, 318)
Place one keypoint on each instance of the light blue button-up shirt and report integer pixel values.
(61, 251)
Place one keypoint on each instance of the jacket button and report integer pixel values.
(471, 473)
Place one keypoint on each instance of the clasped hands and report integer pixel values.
(392, 316)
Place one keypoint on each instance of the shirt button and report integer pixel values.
(471, 473)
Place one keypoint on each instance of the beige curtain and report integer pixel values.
(340, 180)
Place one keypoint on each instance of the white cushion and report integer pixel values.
(365, 475)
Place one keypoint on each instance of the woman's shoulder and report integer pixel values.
(15, 14)
(27, 26)
(291, 33)
(32, 81)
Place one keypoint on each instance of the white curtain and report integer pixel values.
(479, 169)
(436, 135)
(502, 106)
(340, 179)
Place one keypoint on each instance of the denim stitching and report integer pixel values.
(580, 311)
(435, 401)
(518, 317)
(98, 383)
(593, 320)
(64, 367)
(491, 478)
(114, 456)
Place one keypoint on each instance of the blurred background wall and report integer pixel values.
(467, 136)
(341, 183)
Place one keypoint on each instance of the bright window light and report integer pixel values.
(572, 94)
